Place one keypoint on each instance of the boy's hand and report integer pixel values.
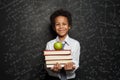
(69, 66)
(56, 67)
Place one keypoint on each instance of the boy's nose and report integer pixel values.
(61, 26)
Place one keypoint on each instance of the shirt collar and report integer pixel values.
(65, 41)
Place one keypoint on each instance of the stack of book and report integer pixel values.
(57, 56)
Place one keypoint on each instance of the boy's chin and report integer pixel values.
(62, 35)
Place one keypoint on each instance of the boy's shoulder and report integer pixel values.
(74, 40)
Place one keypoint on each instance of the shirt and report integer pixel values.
(70, 44)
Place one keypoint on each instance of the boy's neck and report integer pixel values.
(62, 38)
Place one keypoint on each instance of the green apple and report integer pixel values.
(58, 46)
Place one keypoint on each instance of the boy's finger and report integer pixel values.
(74, 66)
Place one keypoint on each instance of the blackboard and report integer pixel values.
(25, 30)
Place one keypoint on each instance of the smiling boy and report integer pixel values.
(61, 22)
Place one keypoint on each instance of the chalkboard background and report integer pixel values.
(24, 31)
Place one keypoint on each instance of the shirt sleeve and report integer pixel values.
(47, 47)
(76, 57)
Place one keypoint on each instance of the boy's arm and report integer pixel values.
(76, 56)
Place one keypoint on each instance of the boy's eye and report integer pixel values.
(64, 24)
(57, 24)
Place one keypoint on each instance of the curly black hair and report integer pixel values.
(61, 12)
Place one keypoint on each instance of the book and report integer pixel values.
(56, 52)
(58, 57)
(58, 61)
(51, 65)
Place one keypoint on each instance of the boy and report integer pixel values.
(61, 23)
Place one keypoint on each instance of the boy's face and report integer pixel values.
(61, 26)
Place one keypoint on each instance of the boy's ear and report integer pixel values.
(69, 27)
